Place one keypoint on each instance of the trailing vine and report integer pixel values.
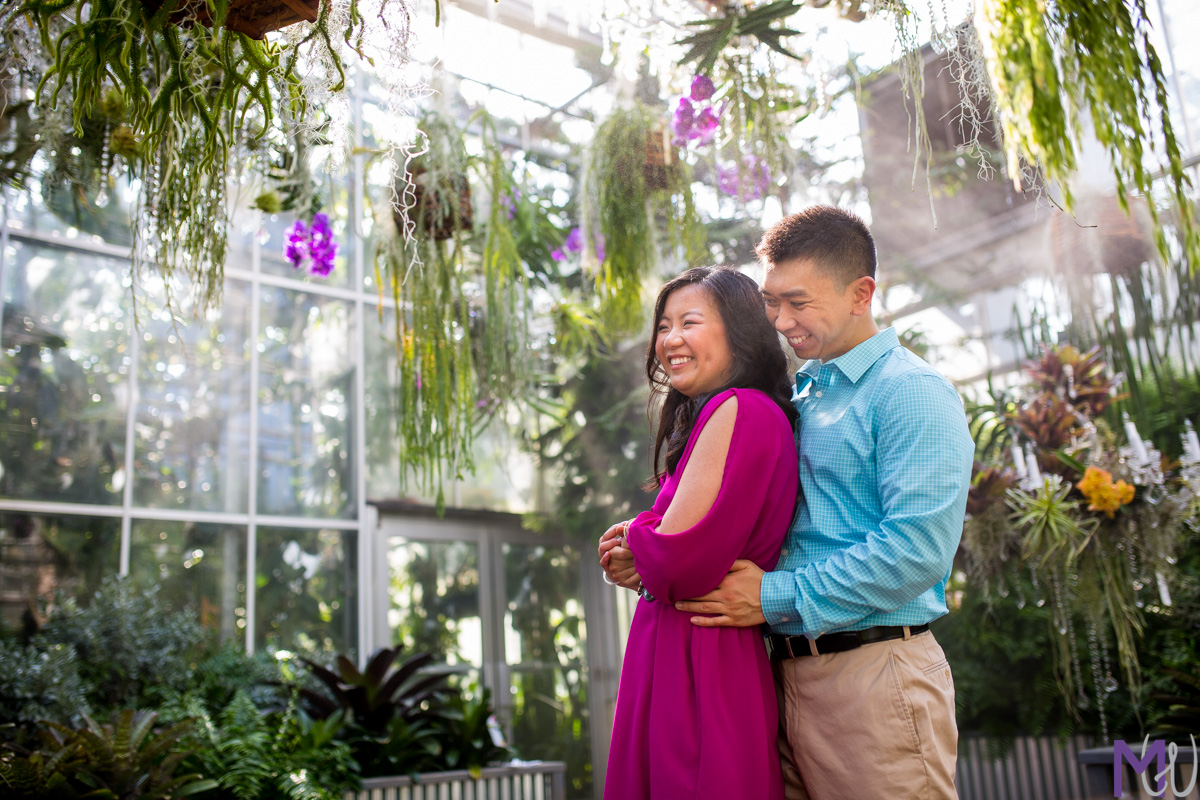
(165, 105)
(1049, 61)
(463, 327)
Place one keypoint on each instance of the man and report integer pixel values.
(867, 698)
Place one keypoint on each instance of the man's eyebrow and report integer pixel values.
(789, 293)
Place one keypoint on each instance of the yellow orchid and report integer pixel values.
(1102, 494)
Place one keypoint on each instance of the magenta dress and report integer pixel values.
(696, 713)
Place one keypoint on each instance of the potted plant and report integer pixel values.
(433, 199)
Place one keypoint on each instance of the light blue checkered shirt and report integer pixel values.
(885, 463)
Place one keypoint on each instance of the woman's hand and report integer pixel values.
(616, 559)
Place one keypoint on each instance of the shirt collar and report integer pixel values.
(855, 362)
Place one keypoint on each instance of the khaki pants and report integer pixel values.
(870, 723)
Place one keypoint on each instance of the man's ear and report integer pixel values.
(862, 291)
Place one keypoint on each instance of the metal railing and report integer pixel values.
(534, 780)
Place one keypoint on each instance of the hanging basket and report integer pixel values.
(660, 158)
(254, 18)
(439, 211)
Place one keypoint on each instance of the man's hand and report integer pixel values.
(735, 602)
(616, 559)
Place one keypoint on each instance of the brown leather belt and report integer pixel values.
(780, 646)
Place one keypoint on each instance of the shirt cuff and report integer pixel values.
(778, 598)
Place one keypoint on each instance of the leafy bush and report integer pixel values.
(130, 648)
(220, 674)
(121, 760)
(467, 739)
(39, 682)
(391, 710)
(246, 722)
(401, 719)
(257, 756)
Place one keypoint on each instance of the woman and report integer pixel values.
(696, 711)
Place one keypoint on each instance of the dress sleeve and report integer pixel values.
(683, 565)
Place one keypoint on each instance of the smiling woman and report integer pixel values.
(710, 334)
(727, 491)
(690, 342)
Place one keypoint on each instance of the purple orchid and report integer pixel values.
(573, 244)
(323, 247)
(696, 120)
(705, 127)
(296, 247)
(311, 243)
(681, 124)
(510, 201)
(574, 241)
(753, 182)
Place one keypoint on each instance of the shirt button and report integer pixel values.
(784, 619)
(818, 394)
(783, 552)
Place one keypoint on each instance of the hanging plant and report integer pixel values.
(637, 195)
(715, 35)
(184, 101)
(463, 288)
(1057, 72)
(738, 113)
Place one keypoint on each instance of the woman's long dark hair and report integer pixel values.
(758, 359)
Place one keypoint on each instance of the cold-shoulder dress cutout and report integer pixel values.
(696, 713)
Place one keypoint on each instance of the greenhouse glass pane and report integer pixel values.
(434, 591)
(306, 401)
(64, 367)
(545, 648)
(196, 565)
(55, 207)
(41, 555)
(380, 398)
(193, 411)
(305, 591)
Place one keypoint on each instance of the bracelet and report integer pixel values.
(608, 580)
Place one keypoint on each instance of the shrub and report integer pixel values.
(39, 682)
(257, 756)
(129, 647)
(121, 760)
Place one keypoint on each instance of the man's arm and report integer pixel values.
(735, 603)
(923, 454)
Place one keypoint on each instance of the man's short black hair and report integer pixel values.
(835, 241)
